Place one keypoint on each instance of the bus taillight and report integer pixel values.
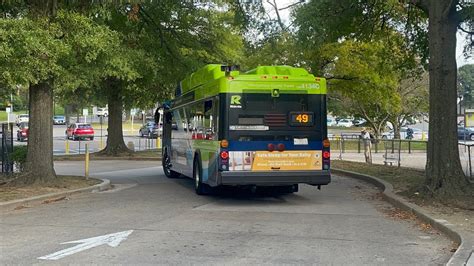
(224, 143)
(281, 147)
(326, 143)
(271, 147)
(326, 154)
(224, 155)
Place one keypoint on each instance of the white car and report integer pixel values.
(330, 121)
(344, 123)
(103, 111)
(22, 118)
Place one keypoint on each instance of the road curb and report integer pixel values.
(465, 249)
(12, 204)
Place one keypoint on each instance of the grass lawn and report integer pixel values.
(401, 178)
(407, 182)
(3, 114)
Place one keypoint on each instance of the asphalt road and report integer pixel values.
(343, 224)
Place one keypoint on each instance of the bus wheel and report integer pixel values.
(166, 161)
(199, 186)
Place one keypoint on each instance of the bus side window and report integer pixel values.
(171, 120)
(209, 129)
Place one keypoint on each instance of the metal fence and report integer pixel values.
(6, 147)
(353, 143)
(64, 146)
(394, 152)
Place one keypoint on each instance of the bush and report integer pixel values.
(18, 156)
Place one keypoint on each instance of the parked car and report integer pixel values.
(22, 132)
(359, 122)
(150, 129)
(331, 122)
(466, 133)
(59, 120)
(344, 123)
(417, 134)
(22, 118)
(76, 131)
(103, 111)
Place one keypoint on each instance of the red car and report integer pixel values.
(80, 131)
(22, 132)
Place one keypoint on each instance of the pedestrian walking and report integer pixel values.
(365, 136)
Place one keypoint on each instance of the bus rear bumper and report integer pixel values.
(275, 178)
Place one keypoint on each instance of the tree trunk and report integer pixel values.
(115, 142)
(396, 128)
(39, 159)
(444, 175)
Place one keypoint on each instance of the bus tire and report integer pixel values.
(199, 186)
(166, 166)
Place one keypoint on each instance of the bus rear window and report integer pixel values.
(263, 117)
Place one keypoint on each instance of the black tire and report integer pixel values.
(166, 166)
(471, 137)
(74, 137)
(199, 186)
(92, 138)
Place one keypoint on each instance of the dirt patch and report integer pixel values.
(406, 182)
(63, 183)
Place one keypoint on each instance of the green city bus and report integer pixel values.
(264, 127)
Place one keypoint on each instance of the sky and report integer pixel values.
(285, 14)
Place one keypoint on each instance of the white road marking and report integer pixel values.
(112, 240)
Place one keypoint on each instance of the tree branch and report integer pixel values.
(275, 7)
(421, 4)
(292, 5)
(466, 31)
(342, 78)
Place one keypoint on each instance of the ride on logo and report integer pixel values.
(235, 101)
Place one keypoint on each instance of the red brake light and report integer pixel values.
(271, 147)
(224, 155)
(281, 147)
(326, 155)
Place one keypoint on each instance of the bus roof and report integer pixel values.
(215, 78)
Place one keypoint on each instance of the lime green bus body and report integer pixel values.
(200, 118)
